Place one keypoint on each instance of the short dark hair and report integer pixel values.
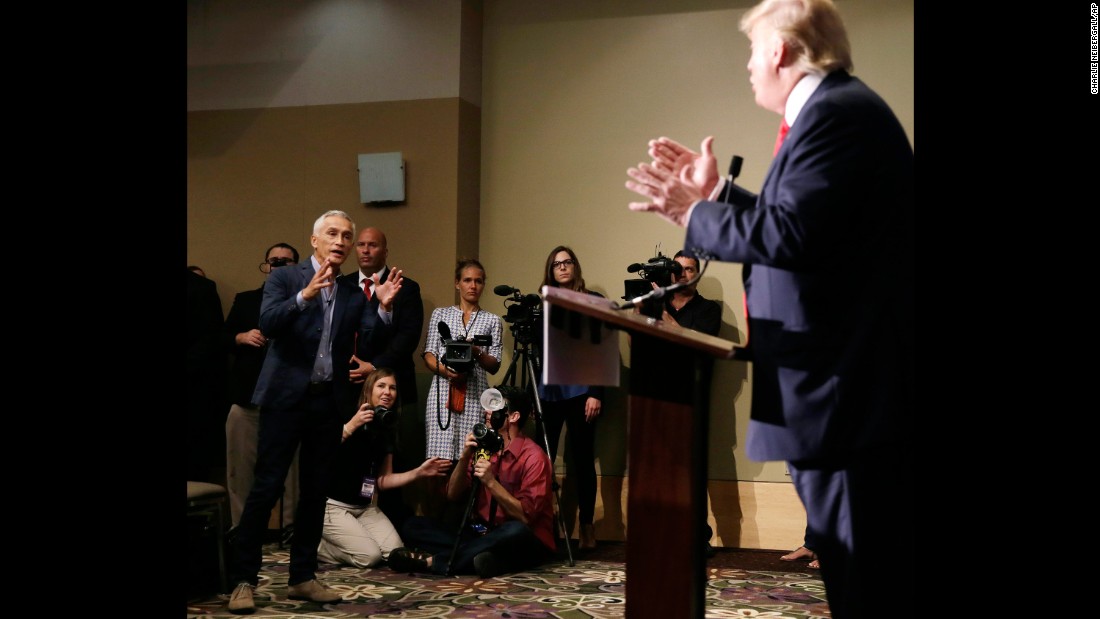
(518, 400)
(284, 246)
(689, 256)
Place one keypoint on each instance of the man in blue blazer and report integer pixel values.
(315, 323)
(828, 254)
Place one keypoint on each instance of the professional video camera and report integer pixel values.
(660, 270)
(524, 313)
(459, 354)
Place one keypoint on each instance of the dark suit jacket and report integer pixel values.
(296, 334)
(247, 360)
(829, 268)
(395, 349)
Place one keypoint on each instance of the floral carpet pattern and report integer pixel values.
(590, 589)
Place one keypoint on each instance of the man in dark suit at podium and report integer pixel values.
(828, 254)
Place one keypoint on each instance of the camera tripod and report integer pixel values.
(475, 484)
(522, 349)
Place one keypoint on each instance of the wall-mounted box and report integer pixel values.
(381, 178)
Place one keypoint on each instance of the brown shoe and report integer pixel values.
(313, 591)
(240, 603)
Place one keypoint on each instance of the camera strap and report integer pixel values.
(456, 401)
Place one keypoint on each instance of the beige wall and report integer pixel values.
(569, 94)
(572, 94)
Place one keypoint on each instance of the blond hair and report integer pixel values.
(812, 30)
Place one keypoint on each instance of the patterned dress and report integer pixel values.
(446, 430)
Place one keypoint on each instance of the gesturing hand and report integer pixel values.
(673, 157)
(322, 279)
(671, 196)
(386, 291)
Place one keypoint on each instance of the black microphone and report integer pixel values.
(634, 268)
(444, 330)
(735, 167)
(504, 290)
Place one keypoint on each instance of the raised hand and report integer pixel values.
(387, 290)
(322, 279)
(670, 196)
(671, 156)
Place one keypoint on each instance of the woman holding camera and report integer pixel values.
(356, 532)
(453, 407)
(575, 406)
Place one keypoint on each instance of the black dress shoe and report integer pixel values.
(408, 560)
(486, 565)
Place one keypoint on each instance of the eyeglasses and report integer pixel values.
(562, 263)
(275, 263)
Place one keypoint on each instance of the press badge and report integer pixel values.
(367, 492)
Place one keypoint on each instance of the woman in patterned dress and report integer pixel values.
(453, 406)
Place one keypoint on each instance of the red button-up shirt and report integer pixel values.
(523, 469)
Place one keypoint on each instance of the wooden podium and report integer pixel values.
(667, 457)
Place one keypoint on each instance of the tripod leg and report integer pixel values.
(530, 380)
(461, 527)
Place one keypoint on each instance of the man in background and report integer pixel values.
(511, 525)
(828, 258)
(204, 367)
(691, 310)
(395, 351)
(686, 307)
(248, 346)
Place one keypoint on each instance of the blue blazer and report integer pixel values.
(296, 335)
(828, 253)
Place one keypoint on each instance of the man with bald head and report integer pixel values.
(395, 351)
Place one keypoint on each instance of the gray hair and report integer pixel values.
(317, 225)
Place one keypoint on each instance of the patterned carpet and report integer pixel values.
(591, 589)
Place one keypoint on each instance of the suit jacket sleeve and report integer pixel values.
(243, 317)
(799, 222)
(403, 336)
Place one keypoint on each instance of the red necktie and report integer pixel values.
(783, 129)
(366, 288)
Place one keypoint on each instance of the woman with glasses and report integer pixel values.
(575, 406)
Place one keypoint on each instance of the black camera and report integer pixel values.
(660, 270)
(488, 441)
(459, 354)
(384, 418)
(279, 262)
(524, 312)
